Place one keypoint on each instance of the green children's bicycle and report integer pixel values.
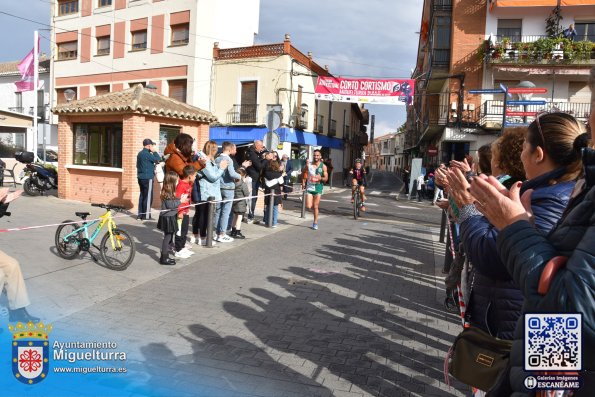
(117, 247)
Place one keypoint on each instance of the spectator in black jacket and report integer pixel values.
(145, 170)
(256, 155)
(236, 166)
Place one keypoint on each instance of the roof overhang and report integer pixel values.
(524, 3)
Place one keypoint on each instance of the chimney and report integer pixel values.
(216, 50)
(287, 44)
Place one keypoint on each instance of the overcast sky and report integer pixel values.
(375, 38)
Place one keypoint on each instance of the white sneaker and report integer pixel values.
(188, 246)
(194, 240)
(225, 239)
(187, 251)
(182, 254)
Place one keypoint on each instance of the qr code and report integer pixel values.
(553, 342)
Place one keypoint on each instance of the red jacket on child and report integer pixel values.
(184, 187)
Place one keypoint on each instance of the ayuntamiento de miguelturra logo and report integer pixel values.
(30, 351)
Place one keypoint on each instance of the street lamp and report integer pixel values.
(69, 94)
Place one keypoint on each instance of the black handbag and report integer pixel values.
(478, 359)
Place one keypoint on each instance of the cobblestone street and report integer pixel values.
(353, 309)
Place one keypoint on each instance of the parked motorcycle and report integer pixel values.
(37, 179)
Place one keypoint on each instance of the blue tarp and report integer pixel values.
(247, 134)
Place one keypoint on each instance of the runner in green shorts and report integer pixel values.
(314, 176)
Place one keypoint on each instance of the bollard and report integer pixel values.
(210, 217)
(443, 226)
(304, 196)
(271, 204)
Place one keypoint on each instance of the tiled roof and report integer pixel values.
(135, 100)
(11, 69)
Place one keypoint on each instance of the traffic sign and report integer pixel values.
(487, 91)
(520, 103)
(272, 120)
(527, 90)
(506, 90)
(516, 124)
(520, 114)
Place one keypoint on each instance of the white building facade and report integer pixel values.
(165, 44)
(15, 137)
(248, 82)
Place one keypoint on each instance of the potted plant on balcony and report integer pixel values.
(525, 50)
(583, 50)
(497, 52)
(506, 43)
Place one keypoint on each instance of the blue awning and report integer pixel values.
(237, 135)
(246, 134)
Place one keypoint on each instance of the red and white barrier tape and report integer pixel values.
(17, 229)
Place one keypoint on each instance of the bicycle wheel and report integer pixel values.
(68, 248)
(356, 205)
(120, 257)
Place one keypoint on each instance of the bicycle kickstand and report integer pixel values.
(92, 255)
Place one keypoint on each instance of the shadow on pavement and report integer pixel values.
(221, 366)
(347, 322)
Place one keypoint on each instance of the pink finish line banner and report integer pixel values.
(375, 91)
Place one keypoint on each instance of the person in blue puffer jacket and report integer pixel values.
(494, 302)
(209, 179)
(228, 186)
(527, 254)
(551, 168)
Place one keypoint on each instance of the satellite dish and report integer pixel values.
(271, 140)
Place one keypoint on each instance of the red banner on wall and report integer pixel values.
(375, 91)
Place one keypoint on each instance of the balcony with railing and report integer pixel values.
(442, 5)
(243, 114)
(536, 49)
(440, 58)
(332, 130)
(491, 111)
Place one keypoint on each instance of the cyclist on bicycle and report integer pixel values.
(358, 181)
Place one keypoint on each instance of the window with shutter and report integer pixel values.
(139, 40)
(101, 89)
(248, 102)
(180, 34)
(177, 90)
(66, 7)
(67, 50)
(585, 31)
(103, 45)
(510, 28)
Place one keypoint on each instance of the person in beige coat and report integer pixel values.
(11, 276)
